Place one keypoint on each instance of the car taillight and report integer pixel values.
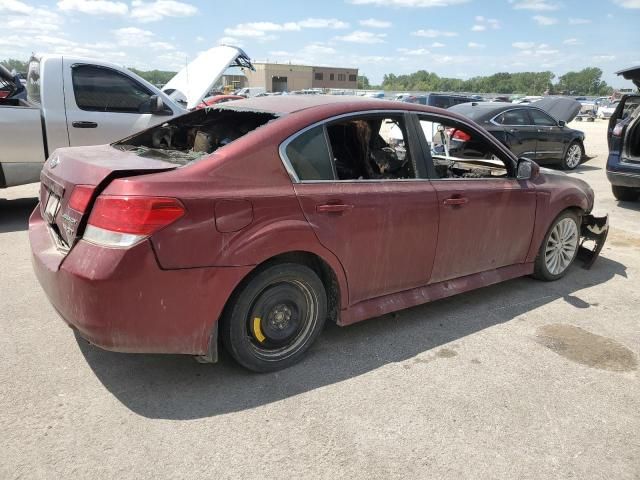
(617, 130)
(80, 197)
(121, 221)
(460, 135)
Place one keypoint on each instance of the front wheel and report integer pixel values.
(275, 317)
(573, 156)
(559, 248)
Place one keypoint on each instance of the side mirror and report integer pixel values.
(561, 123)
(527, 169)
(156, 105)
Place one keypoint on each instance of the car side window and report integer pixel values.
(309, 155)
(458, 152)
(371, 147)
(101, 89)
(515, 117)
(541, 118)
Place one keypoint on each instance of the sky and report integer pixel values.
(453, 38)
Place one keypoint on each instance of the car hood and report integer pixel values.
(193, 82)
(632, 74)
(560, 108)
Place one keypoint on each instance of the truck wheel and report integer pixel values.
(275, 317)
(559, 248)
(625, 194)
(573, 156)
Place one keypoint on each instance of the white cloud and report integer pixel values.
(572, 41)
(437, 45)
(158, 9)
(537, 5)
(14, 6)
(373, 23)
(604, 58)
(483, 24)
(431, 33)
(199, 39)
(229, 41)
(360, 36)
(410, 3)
(260, 29)
(94, 7)
(627, 3)
(132, 36)
(37, 20)
(478, 28)
(523, 45)
(475, 45)
(417, 51)
(579, 21)
(544, 21)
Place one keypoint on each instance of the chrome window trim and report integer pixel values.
(282, 149)
(520, 108)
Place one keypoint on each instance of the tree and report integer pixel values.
(363, 82)
(156, 77)
(585, 82)
(18, 65)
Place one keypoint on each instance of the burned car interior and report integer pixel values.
(194, 135)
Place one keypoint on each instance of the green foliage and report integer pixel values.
(156, 77)
(18, 65)
(584, 82)
(363, 82)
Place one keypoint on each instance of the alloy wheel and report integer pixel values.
(574, 155)
(561, 246)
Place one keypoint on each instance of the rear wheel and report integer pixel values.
(559, 248)
(573, 156)
(625, 194)
(275, 317)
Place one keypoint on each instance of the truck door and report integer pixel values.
(104, 105)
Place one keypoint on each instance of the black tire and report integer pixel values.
(625, 194)
(541, 270)
(569, 161)
(275, 317)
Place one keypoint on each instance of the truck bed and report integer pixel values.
(22, 149)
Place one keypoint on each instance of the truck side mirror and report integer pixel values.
(156, 105)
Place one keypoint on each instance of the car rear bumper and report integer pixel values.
(121, 300)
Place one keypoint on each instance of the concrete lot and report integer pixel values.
(524, 380)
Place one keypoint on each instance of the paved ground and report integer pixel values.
(522, 380)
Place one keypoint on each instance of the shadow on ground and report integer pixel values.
(14, 214)
(177, 387)
(630, 205)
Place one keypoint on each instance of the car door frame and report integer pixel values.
(552, 140)
(335, 191)
(515, 184)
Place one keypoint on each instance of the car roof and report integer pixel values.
(284, 104)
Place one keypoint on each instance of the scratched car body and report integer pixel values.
(249, 224)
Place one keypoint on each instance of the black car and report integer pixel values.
(537, 130)
(623, 164)
(440, 100)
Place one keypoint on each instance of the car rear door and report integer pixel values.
(104, 105)
(551, 139)
(520, 134)
(628, 103)
(485, 223)
(383, 230)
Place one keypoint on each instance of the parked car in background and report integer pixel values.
(605, 110)
(440, 100)
(537, 130)
(528, 99)
(75, 101)
(623, 163)
(258, 220)
(207, 102)
(249, 91)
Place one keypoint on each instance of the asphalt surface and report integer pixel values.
(525, 380)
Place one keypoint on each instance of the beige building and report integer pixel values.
(283, 77)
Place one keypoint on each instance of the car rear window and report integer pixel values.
(33, 81)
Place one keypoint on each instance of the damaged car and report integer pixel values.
(248, 225)
(623, 134)
(536, 130)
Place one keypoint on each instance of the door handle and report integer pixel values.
(333, 208)
(456, 201)
(84, 125)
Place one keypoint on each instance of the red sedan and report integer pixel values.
(208, 102)
(253, 222)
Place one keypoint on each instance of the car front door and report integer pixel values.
(486, 219)
(104, 105)
(520, 135)
(552, 139)
(379, 220)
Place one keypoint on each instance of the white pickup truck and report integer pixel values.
(75, 101)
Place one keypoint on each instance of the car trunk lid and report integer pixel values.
(560, 108)
(90, 168)
(191, 84)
